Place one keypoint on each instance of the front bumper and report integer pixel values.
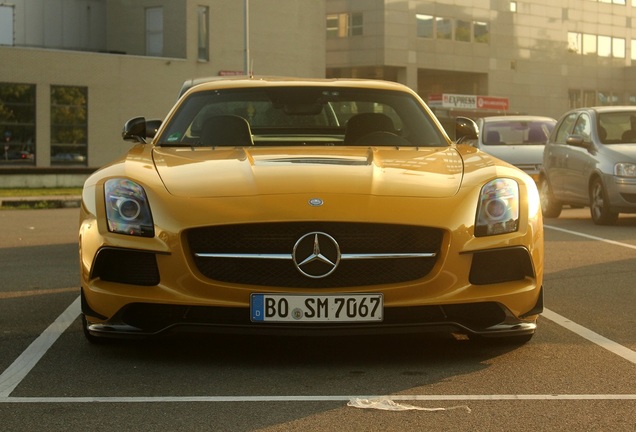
(142, 320)
(189, 277)
(622, 194)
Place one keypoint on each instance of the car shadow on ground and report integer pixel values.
(203, 364)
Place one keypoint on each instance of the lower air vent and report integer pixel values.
(501, 265)
(629, 197)
(126, 266)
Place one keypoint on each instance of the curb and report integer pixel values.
(53, 201)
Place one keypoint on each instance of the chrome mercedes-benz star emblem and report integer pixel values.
(316, 255)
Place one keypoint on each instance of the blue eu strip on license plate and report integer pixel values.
(316, 308)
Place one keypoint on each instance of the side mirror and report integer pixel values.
(152, 126)
(138, 129)
(465, 129)
(578, 141)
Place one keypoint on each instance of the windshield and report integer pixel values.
(617, 127)
(301, 116)
(517, 132)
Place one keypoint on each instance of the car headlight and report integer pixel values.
(625, 169)
(127, 208)
(498, 208)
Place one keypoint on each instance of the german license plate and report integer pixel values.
(316, 308)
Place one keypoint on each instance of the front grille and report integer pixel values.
(280, 238)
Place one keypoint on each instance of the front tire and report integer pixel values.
(550, 206)
(599, 205)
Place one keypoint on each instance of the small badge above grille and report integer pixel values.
(316, 202)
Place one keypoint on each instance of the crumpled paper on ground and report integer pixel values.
(388, 404)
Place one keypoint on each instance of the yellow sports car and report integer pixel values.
(289, 206)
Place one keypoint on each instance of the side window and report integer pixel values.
(583, 127)
(565, 128)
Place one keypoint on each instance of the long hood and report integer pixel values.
(233, 172)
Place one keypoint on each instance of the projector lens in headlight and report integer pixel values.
(127, 208)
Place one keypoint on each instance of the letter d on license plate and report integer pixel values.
(316, 308)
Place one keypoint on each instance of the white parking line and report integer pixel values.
(172, 399)
(576, 233)
(21, 367)
(588, 334)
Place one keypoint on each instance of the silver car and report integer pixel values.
(590, 160)
(518, 140)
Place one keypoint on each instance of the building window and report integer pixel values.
(425, 26)
(443, 28)
(618, 48)
(481, 32)
(608, 98)
(589, 44)
(575, 43)
(580, 98)
(17, 124)
(69, 125)
(574, 97)
(603, 46)
(355, 24)
(463, 31)
(513, 6)
(344, 25)
(432, 27)
(589, 98)
(154, 31)
(333, 26)
(6, 25)
(203, 33)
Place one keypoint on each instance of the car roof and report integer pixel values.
(214, 83)
(610, 108)
(517, 118)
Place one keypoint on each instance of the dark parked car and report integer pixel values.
(590, 160)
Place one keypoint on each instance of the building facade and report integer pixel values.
(535, 57)
(73, 71)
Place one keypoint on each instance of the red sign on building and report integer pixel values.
(493, 103)
(231, 73)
